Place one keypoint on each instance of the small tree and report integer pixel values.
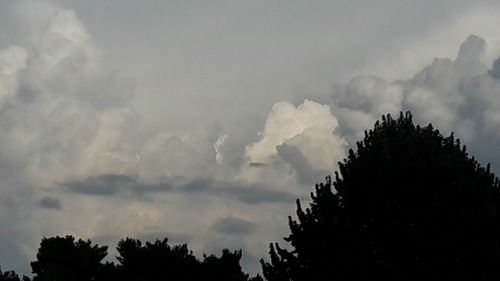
(409, 204)
(64, 259)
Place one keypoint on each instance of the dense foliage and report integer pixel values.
(409, 204)
(158, 260)
(11, 276)
(65, 259)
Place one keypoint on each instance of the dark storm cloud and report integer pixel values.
(111, 185)
(108, 185)
(48, 202)
(105, 185)
(234, 226)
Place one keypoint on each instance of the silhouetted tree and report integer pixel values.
(64, 259)
(409, 204)
(156, 261)
(227, 267)
(161, 261)
(11, 276)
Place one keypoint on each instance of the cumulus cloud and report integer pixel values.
(456, 95)
(61, 112)
(304, 136)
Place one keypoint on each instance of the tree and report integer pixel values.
(64, 259)
(227, 267)
(11, 276)
(161, 261)
(409, 204)
(156, 261)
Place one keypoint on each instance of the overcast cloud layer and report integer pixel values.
(203, 121)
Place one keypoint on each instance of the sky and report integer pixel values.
(204, 121)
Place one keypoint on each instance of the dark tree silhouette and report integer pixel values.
(227, 267)
(409, 204)
(64, 259)
(156, 261)
(11, 276)
(161, 261)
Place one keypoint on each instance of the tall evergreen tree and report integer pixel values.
(409, 204)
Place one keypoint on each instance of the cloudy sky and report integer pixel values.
(203, 121)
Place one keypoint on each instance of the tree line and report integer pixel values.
(406, 204)
(68, 259)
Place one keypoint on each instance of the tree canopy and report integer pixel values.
(408, 204)
(65, 258)
(11, 276)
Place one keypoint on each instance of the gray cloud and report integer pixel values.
(108, 185)
(304, 171)
(101, 185)
(495, 71)
(234, 226)
(257, 164)
(459, 95)
(48, 202)
(112, 185)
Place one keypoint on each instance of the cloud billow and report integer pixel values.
(458, 96)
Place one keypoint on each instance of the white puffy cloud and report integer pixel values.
(310, 127)
(61, 113)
